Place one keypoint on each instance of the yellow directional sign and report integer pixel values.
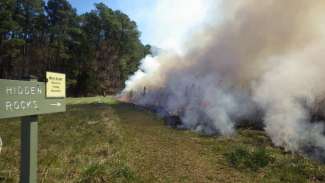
(55, 85)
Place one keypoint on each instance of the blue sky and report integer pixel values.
(138, 10)
(163, 23)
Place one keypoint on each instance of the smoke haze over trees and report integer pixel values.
(97, 50)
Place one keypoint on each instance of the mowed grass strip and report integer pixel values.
(100, 139)
(81, 145)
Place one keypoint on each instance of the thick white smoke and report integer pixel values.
(265, 57)
(289, 92)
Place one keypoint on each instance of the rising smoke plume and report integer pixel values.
(264, 61)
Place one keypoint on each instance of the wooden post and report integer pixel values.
(29, 146)
(29, 132)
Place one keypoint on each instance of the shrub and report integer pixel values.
(108, 172)
(242, 158)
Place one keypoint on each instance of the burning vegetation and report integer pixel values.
(262, 64)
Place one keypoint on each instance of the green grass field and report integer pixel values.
(102, 140)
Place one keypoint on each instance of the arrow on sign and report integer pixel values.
(57, 104)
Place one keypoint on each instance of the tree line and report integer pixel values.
(97, 50)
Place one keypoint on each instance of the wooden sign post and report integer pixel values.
(28, 99)
(28, 165)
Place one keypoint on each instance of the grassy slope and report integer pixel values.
(107, 141)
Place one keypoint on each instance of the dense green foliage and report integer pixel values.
(97, 50)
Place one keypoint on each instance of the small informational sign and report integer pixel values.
(55, 85)
(25, 98)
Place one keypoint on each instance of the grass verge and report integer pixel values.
(101, 140)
